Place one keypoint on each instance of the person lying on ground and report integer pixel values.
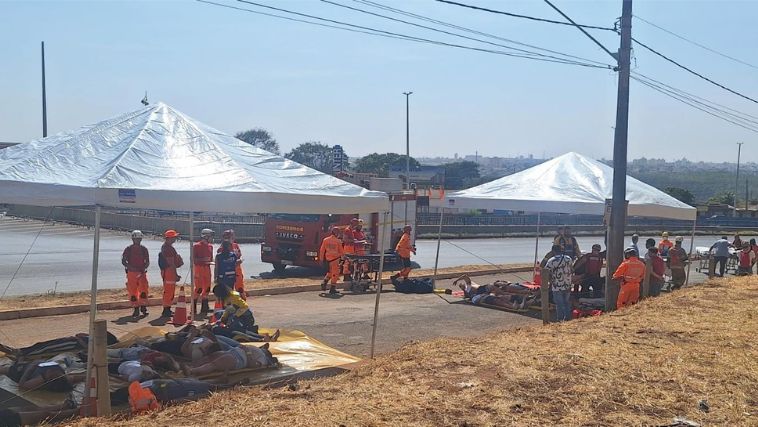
(155, 359)
(74, 343)
(242, 357)
(54, 374)
(175, 390)
(491, 294)
(133, 370)
(33, 415)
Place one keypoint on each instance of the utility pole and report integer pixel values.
(407, 149)
(737, 178)
(44, 95)
(618, 204)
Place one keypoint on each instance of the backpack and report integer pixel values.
(142, 399)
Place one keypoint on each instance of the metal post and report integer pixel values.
(439, 239)
(93, 300)
(646, 278)
(44, 95)
(618, 205)
(192, 266)
(545, 297)
(537, 240)
(737, 178)
(407, 149)
(378, 287)
(692, 246)
(100, 364)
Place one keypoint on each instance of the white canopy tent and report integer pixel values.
(571, 184)
(158, 158)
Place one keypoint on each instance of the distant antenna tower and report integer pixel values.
(144, 100)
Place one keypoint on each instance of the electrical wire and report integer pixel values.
(532, 18)
(579, 27)
(440, 31)
(695, 43)
(21, 264)
(694, 72)
(398, 35)
(468, 30)
(689, 102)
(499, 267)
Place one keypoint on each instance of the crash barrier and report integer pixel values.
(127, 222)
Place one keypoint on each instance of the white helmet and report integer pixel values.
(136, 234)
(206, 232)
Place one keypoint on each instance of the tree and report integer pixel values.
(261, 138)
(380, 163)
(463, 174)
(313, 154)
(681, 194)
(723, 198)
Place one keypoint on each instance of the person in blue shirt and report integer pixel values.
(720, 251)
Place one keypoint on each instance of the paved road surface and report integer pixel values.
(61, 257)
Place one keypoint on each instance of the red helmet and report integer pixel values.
(170, 233)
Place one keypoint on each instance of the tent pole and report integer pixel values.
(439, 239)
(379, 285)
(692, 245)
(93, 304)
(192, 266)
(537, 240)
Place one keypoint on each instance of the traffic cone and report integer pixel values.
(537, 278)
(180, 309)
(216, 306)
(89, 406)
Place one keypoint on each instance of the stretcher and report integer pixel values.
(704, 258)
(364, 270)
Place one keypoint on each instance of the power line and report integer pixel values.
(692, 104)
(468, 30)
(696, 43)
(515, 15)
(692, 71)
(440, 31)
(582, 30)
(374, 31)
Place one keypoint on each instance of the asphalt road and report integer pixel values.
(60, 256)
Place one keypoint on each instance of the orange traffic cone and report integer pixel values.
(537, 278)
(180, 309)
(216, 306)
(89, 406)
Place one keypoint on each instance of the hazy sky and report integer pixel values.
(235, 70)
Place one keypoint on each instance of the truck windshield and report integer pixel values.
(295, 217)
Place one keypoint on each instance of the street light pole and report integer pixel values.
(737, 178)
(407, 149)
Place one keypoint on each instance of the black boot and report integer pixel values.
(333, 290)
(167, 312)
(204, 308)
(143, 309)
(194, 308)
(323, 284)
(135, 313)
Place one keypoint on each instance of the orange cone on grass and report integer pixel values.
(180, 309)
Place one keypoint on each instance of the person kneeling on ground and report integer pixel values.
(746, 260)
(237, 320)
(242, 357)
(489, 294)
(630, 272)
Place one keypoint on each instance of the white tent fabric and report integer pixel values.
(158, 158)
(571, 184)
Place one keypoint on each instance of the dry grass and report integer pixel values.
(113, 295)
(640, 366)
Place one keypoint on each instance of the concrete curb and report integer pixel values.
(155, 302)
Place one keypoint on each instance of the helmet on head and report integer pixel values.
(679, 239)
(335, 229)
(227, 233)
(407, 228)
(354, 221)
(665, 234)
(596, 246)
(170, 233)
(630, 252)
(206, 232)
(136, 234)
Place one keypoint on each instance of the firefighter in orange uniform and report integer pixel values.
(331, 252)
(202, 258)
(169, 261)
(404, 249)
(348, 246)
(239, 283)
(135, 260)
(631, 272)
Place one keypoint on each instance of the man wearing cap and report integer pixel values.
(239, 283)
(330, 252)
(677, 259)
(169, 261)
(202, 258)
(404, 249)
(135, 260)
(630, 272)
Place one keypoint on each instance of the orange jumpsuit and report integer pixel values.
(239, 283)
(404, 249)
(136, 260)
(331, 251)
(348, 247)
(202, 253)
(631, 272)
(169, 274)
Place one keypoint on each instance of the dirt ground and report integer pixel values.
(689, 354)
(112, 295)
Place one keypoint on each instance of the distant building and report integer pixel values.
(422, 177)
